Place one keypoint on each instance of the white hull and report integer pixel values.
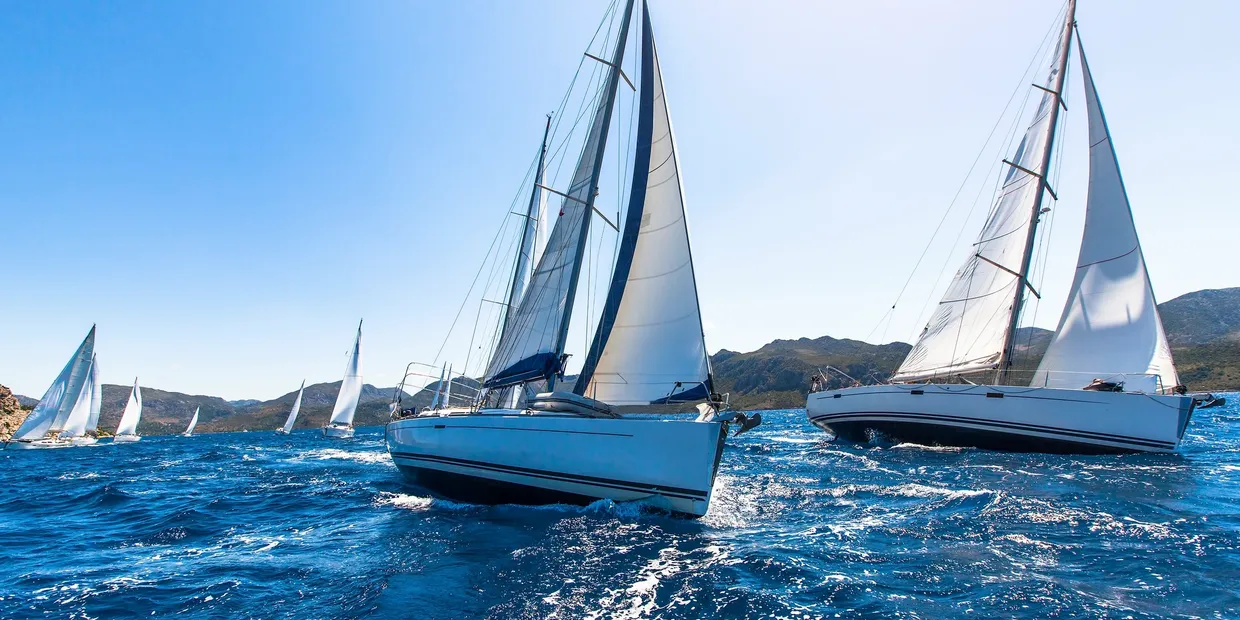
(38, 444)
(85, 441)
(187, 434)
(333, 431)
(507, 456)
(1022, 419)
(126, 438)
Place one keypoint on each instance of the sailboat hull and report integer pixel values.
(126, 438)
(337, 432)
(86, 440)
(38, 444)
(517, 457)
(1007, 418)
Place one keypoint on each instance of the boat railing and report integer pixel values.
(420, 376)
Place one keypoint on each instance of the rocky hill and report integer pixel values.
(12, 412)
(1202, 317)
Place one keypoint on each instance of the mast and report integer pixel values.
(525, 250)
(617, 60)
(1056, 94)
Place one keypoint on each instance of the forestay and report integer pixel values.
(531, 347)
(53, 409)
(966, 332)
(133, 412)
(1110, 324)
(649, 346)
(351, 386)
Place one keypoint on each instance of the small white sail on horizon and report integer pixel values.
(351, 386)
(189, 430)
(292, 415)
(132, 414)
(61, 396)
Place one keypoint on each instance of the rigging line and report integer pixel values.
(968, 175)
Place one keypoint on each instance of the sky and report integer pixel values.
(227, 187)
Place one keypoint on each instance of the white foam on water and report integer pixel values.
(917, 446)
(370, 457)
(419, 503)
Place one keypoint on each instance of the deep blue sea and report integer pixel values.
(260, 525)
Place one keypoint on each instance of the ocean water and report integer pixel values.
(260, 525)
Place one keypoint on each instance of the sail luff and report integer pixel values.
(351, 385)
(77, 380)
(650, 346)
(59, 395)
(133, 412)
(292, 415)
(1009, 338)
(1110, 328)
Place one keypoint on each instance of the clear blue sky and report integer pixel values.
(227, 187)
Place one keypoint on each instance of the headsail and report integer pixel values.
(969, 330)
(1110, 324)
(60, 396)
(531, 347)
(649, 346)
(522, 267)
(292, 415)
(189, 430)
(133, 412)
(96, 397)
(351, 386)
(79, 415)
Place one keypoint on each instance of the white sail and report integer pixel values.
(966, 332)
(531, 346)
(133, 412)
(96, 397)
(649, 346)
(189, 430)
(292, 415)
(351, 386)
(61, 396)
(1110, 324)
(447, 389)
(79, 415)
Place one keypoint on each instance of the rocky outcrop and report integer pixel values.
(11, 413)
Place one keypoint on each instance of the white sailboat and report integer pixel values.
(572, 446)
(340, 426)
(82, 423)
(292, 415)
(1107, 382)
(189, 430)
(42, 428)
(127, 430)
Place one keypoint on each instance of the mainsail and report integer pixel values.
(292, 415)
(351, 386)
(532, 345)
(80, 414)
(1110, 324)
(189, 430)
(53, 409)
(971, 327)
(133, 412)
(649, 346)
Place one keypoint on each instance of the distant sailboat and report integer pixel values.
(292, 415)
(1106, 383)
(43, 426)
(341, 424)
(189, 431)
(568, 444)
(127, 430)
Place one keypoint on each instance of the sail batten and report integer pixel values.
(649, 346)
(351, 386)
(534, 341)
(1110, 327)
